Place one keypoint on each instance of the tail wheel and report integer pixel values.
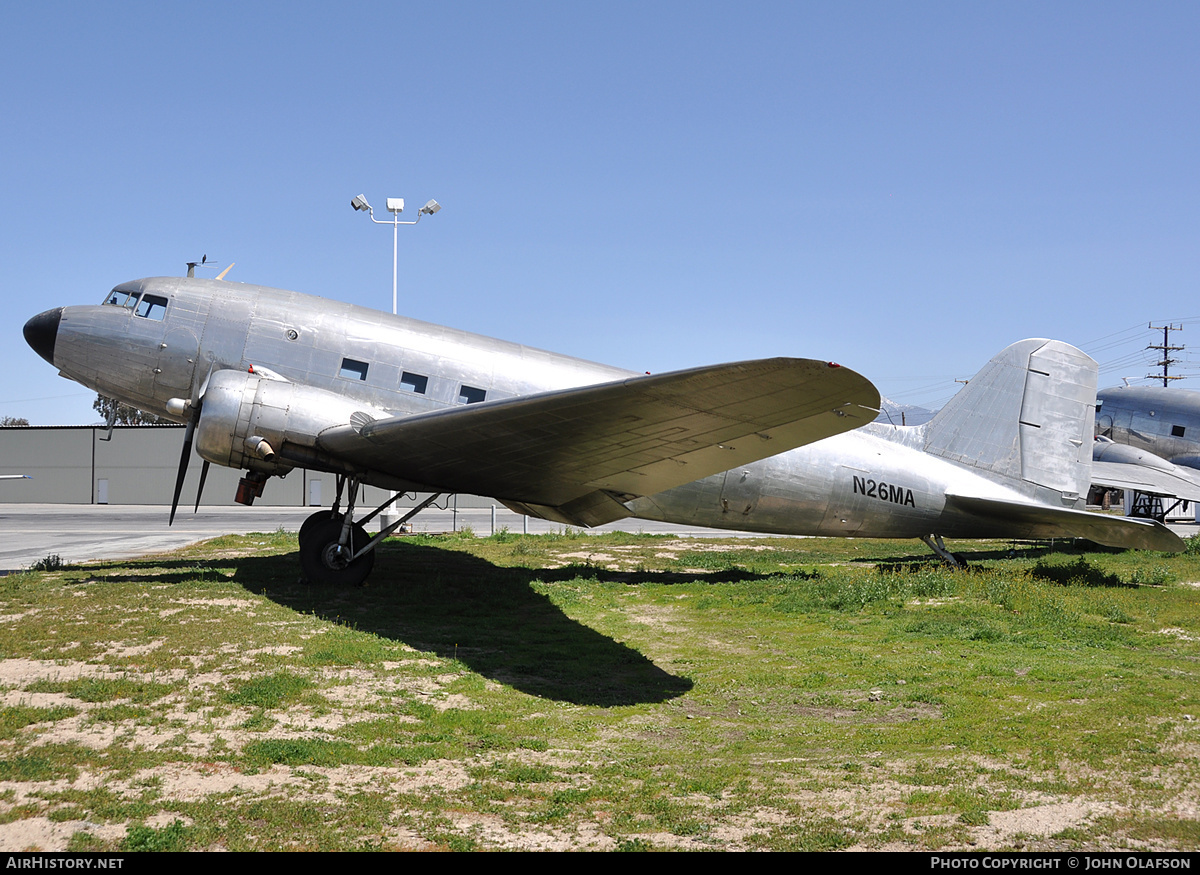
(326, 562)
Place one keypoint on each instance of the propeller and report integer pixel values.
(200, 488)
(195, 405)
(188, 433)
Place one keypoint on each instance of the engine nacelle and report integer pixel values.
(246, 419)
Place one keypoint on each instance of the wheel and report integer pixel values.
(325, 562)
(318, 517)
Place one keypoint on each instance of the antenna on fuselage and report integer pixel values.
(203, 262)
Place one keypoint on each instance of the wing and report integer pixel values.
(1045, 522)
(1151, 481)
(1120, 466)
(576, 455)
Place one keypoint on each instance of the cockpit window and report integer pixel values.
(122, 299)
(152, 307)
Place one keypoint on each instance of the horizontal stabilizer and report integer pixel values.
(631, 437)
(1045, 521)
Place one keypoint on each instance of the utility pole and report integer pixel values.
(1166, 349)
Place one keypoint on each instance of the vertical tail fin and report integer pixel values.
(1029, 414)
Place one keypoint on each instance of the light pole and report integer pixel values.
(395, 206)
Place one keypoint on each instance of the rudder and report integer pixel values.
(1029, 415)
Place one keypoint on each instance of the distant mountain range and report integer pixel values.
(902, 414)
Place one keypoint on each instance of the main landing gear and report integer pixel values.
(335, 550)
(329, 559)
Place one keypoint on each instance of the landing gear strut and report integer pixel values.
(335, 550)
(324, 515)
(934, 543)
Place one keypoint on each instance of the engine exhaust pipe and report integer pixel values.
(260, 447)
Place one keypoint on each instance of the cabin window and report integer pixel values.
(122, 299)
(1177, 431)
(471, 395)
(353, 369)
(152, 307)
(414, 382)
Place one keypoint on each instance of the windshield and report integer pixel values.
(119, 298)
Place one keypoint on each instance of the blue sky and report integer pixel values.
(903, 188)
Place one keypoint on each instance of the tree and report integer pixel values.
(126, 415)
(6, 421)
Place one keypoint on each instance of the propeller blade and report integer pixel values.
(183, 463)
(200, 488)
(197, 405)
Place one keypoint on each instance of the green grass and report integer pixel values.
(620, 692)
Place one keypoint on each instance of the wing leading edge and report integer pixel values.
(575, 455)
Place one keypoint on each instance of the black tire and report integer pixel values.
(319, 554)
(317, 518)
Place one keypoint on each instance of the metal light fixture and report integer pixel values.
(395, 206)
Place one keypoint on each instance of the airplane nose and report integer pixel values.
(42, 331)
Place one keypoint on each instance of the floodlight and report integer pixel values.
(360, 203)
(431, 208)
(395, 204)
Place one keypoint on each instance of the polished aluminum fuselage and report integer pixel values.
(212, 325)
(877, 481)
(874, 482)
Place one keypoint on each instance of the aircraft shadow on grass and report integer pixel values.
(459, 606)
(1080, 572)
(491, 618)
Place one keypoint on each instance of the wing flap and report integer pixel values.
(1061, 522)
(630, 437)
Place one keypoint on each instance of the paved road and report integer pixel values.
(80, 532)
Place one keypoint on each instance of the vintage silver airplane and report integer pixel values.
(1164, 421)
(268, 380)
(1158, 430)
